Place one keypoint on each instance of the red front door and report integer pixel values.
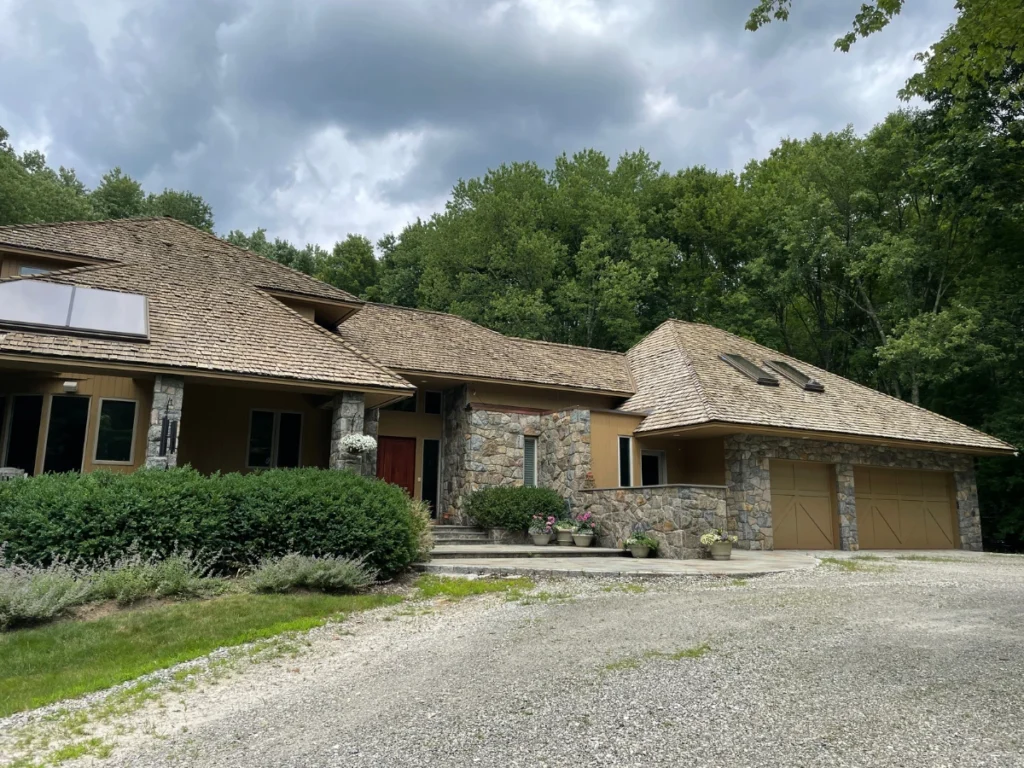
(396, 461)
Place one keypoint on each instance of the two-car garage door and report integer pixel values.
(896, 508)
(904, 509)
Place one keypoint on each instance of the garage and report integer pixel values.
(803, 505)
(905, 509)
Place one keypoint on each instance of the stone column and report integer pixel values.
(748, 493)
(371, 418)
(968, 512)
(165, 422)
(347, 419)
(846, 502)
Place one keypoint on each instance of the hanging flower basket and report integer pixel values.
(358, 444)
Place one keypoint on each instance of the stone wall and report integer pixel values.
(678, 515)
(168, 398)
(349, 417)
(749, 487)
(483, 448)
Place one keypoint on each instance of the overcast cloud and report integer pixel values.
(322, 117)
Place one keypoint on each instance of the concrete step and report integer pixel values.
(481, 537)
(444, 551)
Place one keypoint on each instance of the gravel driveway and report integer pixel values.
(901, 664)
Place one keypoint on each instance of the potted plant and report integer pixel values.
(585, 531)
(719, 543)
(563, 530)
(641, 544)
(357, 444)
(541, 530)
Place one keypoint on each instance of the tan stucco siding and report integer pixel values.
(215, 426)
(536, 397)
(422, 426)
(96, 388)
(605, 430)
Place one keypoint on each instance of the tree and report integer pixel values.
(30, 191)
(184, 206)
(351, 266)
(118, 196)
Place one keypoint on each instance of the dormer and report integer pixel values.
(26, 263)
(324, 312)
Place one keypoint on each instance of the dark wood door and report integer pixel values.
(396, 461)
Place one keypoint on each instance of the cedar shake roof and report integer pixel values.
(438, 343)
(208, 306)
(682, 382)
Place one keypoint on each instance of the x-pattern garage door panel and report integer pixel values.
(904, 509)
(803, 514)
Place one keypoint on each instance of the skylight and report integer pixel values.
(795, 375)
(750, 370)
(74, 309)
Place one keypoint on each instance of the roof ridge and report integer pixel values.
(337, 339)
(854, 383)
(491, 330)
(698, 386)
(82, 222)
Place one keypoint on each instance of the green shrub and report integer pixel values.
(513, 507)
(243, 518)
(324, 574)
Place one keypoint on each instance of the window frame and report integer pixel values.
(662, 466)
(532, 438)
(618, 463)
(96, 438)
(45, 418)
(274, 437)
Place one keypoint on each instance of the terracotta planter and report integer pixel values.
(541, 539)
(721, 550)
(564, 538)
(583, 539)
(640, 551)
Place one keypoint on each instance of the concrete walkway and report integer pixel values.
(742, 564)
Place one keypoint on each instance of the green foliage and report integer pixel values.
(36, 594)
(323, 574)
(456, 588)
(351, 266)
(184, 206)
(46, 664)
(642, 539)
(513, 507)
(237, 518)
(132, 577)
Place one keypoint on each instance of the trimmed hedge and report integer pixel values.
(242, 517)
(513, 507)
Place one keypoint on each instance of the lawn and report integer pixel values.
(45, 664)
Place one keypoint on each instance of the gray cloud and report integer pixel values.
(318, 118)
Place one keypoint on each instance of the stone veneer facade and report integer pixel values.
(350, 417)
(749, 487)
(679, 514)
(168, 398)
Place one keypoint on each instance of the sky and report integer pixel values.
(319, 118)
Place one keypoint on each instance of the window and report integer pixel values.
(432, 402)
(65, 434)
(625, 462)
(23, 432)
(747, 368)
(795, 375)
(74, 308)
(408, 405)
(530, 462)
(652, 468)
(26, 271)
(275, 440)
(115, 434)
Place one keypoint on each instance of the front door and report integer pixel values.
(396, 462)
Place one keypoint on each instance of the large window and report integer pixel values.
(65, 436)
(530, 462)
(115, 434)
(625, 462)
(26, 414)
(275, 440)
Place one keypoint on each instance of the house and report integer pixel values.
(146, 342)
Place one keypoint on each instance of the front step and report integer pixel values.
(447, 552)
(445, 535)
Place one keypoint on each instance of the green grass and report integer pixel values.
(455, 588)
(46, 664)
(739, 582)
(634, 662)
(932, 559)
(846, 565)
(867, 557)
(633, 589)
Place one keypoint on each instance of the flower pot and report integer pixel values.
(541, 539)
(564, 538)
(583, 539)
(640, 551)
(721, 550)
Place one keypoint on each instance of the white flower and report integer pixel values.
(357, 443)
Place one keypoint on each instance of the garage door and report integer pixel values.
(904, 509)
(803, 511)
